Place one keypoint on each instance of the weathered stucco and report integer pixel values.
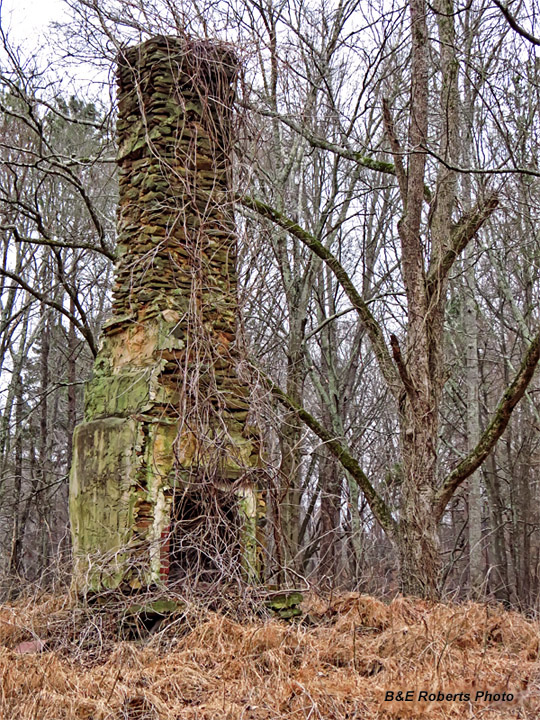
(165, 408)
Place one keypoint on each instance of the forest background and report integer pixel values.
(387, 173)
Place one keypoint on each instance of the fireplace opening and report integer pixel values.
(204, 542)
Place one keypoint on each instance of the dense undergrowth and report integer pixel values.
(61, 660)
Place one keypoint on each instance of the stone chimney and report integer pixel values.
(164, 444)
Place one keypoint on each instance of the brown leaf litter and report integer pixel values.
(204, 665)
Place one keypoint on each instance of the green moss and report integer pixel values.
(105, 461)
(116, 395)
(286, 604)
(247, 505)
(157, 607)
(169, 336)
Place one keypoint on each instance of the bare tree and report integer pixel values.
(379, 143)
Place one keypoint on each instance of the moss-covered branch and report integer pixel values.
(344, 152)
(372, 327)
(462, 234)
(494, 430)
(324, 144)
(377, 505)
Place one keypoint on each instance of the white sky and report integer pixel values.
(26, 23)
(26, 20)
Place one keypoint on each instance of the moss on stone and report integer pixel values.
(174, 291)
(103, 476)
(286, 604)
(117, 395)
(247, 505)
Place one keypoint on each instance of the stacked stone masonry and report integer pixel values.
(165, 409)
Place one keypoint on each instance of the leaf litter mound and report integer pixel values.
(60, 660)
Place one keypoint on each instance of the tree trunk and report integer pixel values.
(417, 535)
(499, 577)
(470, 326)
(290, 441)
(329, 551)
(42, 497)
(17, 536)
(71, 392)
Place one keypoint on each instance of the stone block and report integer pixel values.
(102, 499)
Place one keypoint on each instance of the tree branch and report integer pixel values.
(461, 235)
(372, 327)
(481, 171)
(396, 150)
(58, 243)
(83, 329)
(323, 144)
(398, 359)
(511, 396)
(344, 152)
(377, 505)
(511, 20)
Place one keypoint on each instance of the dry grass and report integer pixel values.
(207, 666)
